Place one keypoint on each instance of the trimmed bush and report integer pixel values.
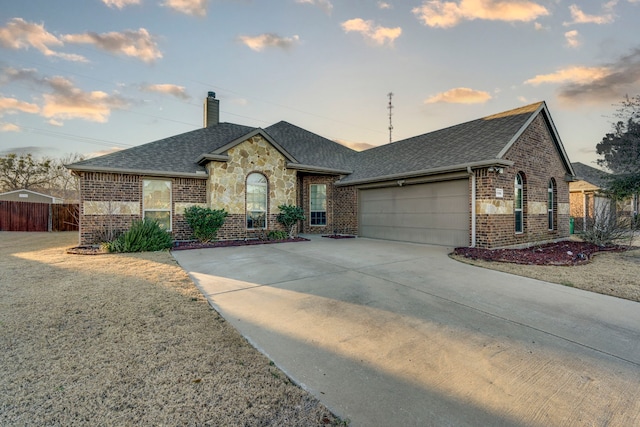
(289, 216)
(277, 235)
(143, 236)
(205, 222)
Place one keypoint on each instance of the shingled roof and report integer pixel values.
(173, 156)
(479, 142)
(183, 154)
(590, 174)
(311, 149)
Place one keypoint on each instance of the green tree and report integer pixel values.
(24, 172)
(620, 151)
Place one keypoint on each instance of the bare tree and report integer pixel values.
(605, 226)
(63, 182)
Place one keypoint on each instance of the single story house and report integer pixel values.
(589, 203)
(496, 181)
(29, 196)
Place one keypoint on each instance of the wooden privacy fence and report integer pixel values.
(25, 216)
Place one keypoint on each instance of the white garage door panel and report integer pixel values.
(436, 213)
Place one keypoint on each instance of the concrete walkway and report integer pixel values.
(387, 333)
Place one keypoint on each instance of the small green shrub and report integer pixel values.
(205, 222)
(143, 236)
(277, 235)
(289, 216)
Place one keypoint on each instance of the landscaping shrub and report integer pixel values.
(205, 222)
(289, 216)
(277, 235)
(605, 228)
(143, 236)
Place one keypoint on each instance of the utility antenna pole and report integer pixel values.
(390, 108)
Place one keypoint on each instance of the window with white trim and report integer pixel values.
(518, 203)
(156, 201)
(256, 201)
(318, 204)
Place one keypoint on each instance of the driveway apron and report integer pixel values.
(388, 333)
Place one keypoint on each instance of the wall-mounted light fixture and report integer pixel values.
(496, 169)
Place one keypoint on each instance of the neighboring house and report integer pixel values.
(497, 181)
(589, 203)
(29, 196)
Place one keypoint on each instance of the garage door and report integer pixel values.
(435, 213)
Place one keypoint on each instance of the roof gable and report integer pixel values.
(255, 132)
(541, 109)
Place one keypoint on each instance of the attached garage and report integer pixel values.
(434, 213)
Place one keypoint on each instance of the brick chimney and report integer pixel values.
(211, 110)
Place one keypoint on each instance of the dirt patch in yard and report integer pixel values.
(611, 271)
(127, 340)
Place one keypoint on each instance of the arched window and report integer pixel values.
(551, 202)
(518, 203)
(256, 201)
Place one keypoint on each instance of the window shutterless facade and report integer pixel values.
(156, 201)
(318, 204)
(256, 201)
(518, 204)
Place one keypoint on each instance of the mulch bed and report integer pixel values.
(181, 246)
(339, 236)
(565, 253)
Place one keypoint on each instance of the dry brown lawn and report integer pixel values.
(122, 340)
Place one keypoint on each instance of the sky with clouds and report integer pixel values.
(94, 76)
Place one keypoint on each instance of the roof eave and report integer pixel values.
(204, 158)
(170, 174)
(433, 171)
(317, 169)
(23, 190)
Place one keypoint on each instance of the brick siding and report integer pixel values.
(106, 187)
(346, 210)
(186, 190)
(307, 181)
(116, 188)
(536, 158)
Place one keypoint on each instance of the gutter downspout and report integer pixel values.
(473, 206)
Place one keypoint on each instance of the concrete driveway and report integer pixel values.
(387, 333)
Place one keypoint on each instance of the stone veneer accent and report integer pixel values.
(227, 184)
(94, 207)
